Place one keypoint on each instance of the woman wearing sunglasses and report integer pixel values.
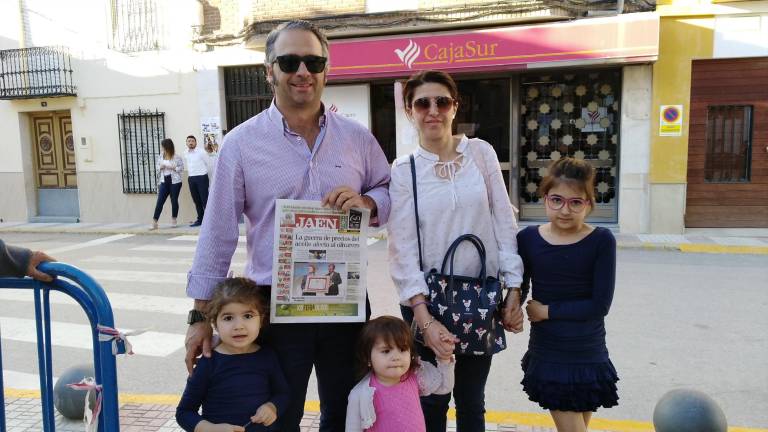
(460, 190)
(572, 267)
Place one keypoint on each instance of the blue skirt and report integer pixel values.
(570, 387)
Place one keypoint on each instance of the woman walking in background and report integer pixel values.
(171, 165)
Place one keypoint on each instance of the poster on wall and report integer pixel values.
(211, 129)
(351, 101)
(670, 120)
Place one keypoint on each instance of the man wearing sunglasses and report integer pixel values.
(296, 149)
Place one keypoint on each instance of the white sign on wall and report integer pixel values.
(351, 101)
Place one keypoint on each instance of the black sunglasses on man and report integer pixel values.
(289, 63)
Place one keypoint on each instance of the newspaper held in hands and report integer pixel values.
(319, 263)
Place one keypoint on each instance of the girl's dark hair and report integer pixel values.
(428, 76)
(394, 332)
(238, 290)
(168, 149)
(575, 173)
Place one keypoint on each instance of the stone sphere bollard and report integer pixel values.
(685, 410)
(70, 402)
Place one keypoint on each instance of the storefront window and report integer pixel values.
(484, 113)
(383, 118)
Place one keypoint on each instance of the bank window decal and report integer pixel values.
(729, 144)
(141, 132)
(570, 115)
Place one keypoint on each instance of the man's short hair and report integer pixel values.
(269, 55)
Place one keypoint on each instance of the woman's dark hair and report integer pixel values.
(575, 173)
(428, 76)
(168, 149)
(238, 290)
(394, 332)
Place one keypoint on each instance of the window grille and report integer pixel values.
(247, 93)
(141, 132)
(729, 144)
(136, 26)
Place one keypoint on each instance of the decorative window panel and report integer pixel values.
(729, 144)
(576, 115)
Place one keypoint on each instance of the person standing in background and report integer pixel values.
(170, 166)
(197, 167)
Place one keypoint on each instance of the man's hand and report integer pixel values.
(266, 414)
(537, 311)
(35, 260)
(198, 341)
(344, 198)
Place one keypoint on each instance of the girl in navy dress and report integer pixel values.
(241, 386)
(571, 267)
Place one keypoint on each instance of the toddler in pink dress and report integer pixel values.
(387, 398)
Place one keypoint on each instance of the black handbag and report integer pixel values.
(469, 307)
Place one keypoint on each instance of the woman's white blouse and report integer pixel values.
(174, 172)
(454, 203)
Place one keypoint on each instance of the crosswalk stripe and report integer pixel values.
(139, 276)
(22, 381)
(175, 249)
(128, 302)
(151, 343)
(95, 242)
(194, 238)
(160, 261)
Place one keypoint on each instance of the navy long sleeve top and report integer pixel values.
(231, 387)
(577, 282)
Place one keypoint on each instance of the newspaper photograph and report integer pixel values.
(319, 263)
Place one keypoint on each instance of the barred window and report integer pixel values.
(141, 132)
(247, 92)
(135, 26)
(729, 144)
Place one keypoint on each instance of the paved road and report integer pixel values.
(678, 320)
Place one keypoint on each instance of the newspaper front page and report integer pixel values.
(319, 264)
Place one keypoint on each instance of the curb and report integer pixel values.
(539, 420)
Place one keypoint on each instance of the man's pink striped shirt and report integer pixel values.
(260, 161)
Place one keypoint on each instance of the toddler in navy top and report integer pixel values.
(241, 387)
(571, 267)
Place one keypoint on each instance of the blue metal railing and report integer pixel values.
(92, 298)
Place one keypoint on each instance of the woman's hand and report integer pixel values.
(512, 313)
(439, 339)
(537, 311)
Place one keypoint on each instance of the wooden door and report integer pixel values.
(728, 144)
(54, 150)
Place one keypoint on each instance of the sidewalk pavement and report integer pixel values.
(721, 240)
(24, 415)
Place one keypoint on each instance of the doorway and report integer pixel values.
(53, 151)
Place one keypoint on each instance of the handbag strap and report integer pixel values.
(475, 240)
(416, 209)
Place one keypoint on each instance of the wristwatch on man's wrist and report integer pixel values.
(195, 316)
